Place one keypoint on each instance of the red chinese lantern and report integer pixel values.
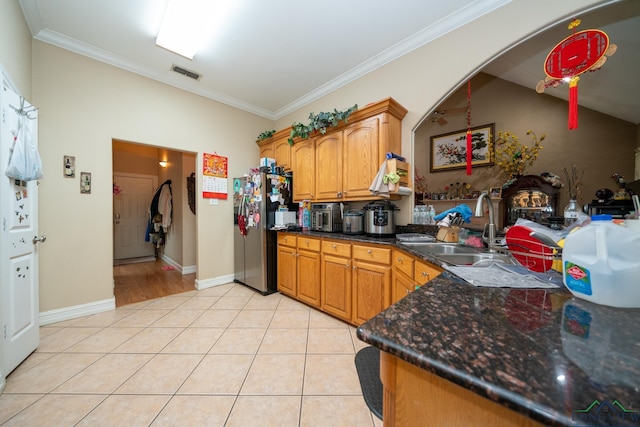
(580, 52)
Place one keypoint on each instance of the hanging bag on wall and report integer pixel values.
(24, 160)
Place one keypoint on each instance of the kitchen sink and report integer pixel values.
(438, 248)
(473, 258)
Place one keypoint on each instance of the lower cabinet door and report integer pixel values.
(336, 286)
(309, 277)
(371, 283)
(287, 270)
(401, 286)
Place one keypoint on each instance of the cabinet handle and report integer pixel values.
(339, 194)
(369, 251)
(400, 260)
(425, 274)
(333, 246)
(347, 265)
(407, 291)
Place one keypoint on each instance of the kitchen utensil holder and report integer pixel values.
(448, 234)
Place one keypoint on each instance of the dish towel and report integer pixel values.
(463, 210)
(378, 187)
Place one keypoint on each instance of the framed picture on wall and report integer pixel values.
(69, 166)
(449, 150)
(495, 192)
(85, 182)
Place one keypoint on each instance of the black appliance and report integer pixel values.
(616, 208)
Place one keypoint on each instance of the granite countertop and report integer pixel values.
(557, 359)
(542, 353)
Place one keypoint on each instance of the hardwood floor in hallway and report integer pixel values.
(143, 281)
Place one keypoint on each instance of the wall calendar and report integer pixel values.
(214, 176)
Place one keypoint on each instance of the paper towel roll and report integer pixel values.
(404, 191)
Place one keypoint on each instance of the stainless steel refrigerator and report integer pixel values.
(256, 198)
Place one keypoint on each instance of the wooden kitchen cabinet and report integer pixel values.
(371, 281)
(303, 157)
(308, 270)
(287, 265)
(328, 167)
(336, 279)
(341, 164)
(266, 148)
(282, 149)
(409, 273)
(363, 154)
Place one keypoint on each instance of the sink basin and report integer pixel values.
(473, 258)
(439, 248)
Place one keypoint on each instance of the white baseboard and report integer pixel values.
(184, 270)
(68, 313)
(215, 281)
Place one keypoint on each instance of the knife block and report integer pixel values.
(448, 234)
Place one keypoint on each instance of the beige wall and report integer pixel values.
(81, 112)
(15, 46)
(601, 145)
(423, 78)
(84, 104)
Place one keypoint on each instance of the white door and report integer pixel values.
(131, 215)
(19, 244)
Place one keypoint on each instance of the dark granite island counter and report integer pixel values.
(453, 354)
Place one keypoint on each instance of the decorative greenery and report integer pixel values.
(513, 157)
(266, 134)
(319, 122)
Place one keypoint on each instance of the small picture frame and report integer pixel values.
(475, 194)
(85, 182)
(495, 192)
(69, 166)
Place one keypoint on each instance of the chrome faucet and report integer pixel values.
(491, 238)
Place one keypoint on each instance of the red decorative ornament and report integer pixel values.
(469, 145)
(580, 52)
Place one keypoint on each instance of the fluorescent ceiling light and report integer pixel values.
(186, 25)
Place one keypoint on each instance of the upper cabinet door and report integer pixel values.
(303, 162)
(361, 156)
(329, 166)
(282, 149)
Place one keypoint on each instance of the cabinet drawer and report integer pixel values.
(403, 262)
(309, 244)
(336, 248)
(287, 240)
(423, 272)
(371, 253)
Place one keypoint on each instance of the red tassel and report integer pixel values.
(573, 103)
(469, 157)
(469, 152)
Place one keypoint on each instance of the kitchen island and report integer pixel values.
(453, 354)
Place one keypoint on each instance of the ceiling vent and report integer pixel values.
(185, 72)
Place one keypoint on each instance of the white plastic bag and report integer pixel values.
(24, 160)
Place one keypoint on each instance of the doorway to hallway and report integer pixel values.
(141, 270)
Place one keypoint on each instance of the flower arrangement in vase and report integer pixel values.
(513, 157)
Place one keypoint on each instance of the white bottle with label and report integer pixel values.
(601, 263)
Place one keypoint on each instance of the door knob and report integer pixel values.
(37, 239)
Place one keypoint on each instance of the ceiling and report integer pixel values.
(272, 57)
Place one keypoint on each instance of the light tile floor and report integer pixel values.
(224, 356)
